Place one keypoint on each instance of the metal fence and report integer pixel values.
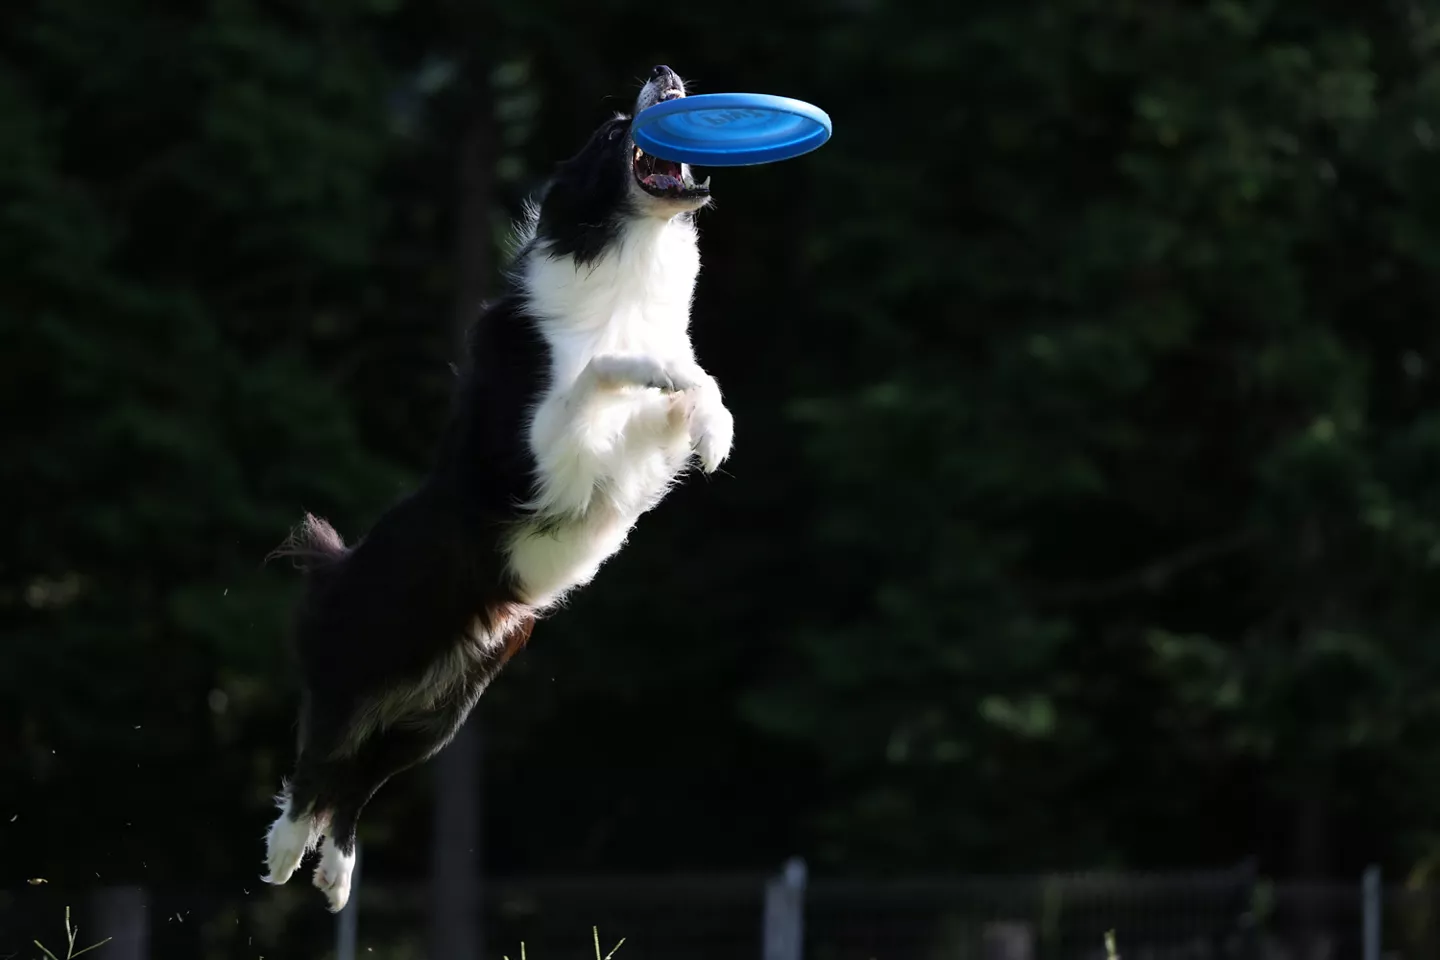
(1215, 915)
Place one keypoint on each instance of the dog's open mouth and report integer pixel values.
(666, 178)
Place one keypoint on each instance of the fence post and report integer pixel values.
(784, 933)
(1250, 917)
(119, 913)
(1371, 905)
(348, 920)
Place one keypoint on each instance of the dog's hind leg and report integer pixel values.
(354, 780)
(291, 836)
(302, 815)
(411, 740)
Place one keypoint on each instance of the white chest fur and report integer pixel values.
(604, 456)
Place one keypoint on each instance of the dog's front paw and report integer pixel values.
(625, 370)
(713, 428)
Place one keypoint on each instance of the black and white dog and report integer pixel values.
(580, 403)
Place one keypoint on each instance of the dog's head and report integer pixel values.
(611, 179)
(662, 185)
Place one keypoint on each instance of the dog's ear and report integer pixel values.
(580, 205)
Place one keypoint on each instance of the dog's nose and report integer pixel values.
(660, 70)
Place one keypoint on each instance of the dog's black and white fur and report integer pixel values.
(581, 402)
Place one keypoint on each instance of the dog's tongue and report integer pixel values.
(663, 181)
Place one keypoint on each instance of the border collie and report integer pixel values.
(579, 405)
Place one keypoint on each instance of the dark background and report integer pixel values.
(1085, 504)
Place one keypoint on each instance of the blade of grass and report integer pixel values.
(596, 932)
(70, 933)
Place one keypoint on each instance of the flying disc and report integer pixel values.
(730, 129)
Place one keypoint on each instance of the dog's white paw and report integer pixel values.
(332, 875)
(713, 428)
(287, 843)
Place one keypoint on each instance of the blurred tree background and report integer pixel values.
(1085, 509)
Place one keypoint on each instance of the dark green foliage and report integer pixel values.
(1136, 469)
(174, 251)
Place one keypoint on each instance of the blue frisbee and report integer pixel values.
(730, 129)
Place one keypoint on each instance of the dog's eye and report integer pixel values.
(615, 132)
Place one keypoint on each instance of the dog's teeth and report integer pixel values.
(704, 183)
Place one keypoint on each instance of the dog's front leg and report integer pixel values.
(693, 415)
(614, 371)
(577, 434)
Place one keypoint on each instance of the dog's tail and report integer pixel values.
(313, 544)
